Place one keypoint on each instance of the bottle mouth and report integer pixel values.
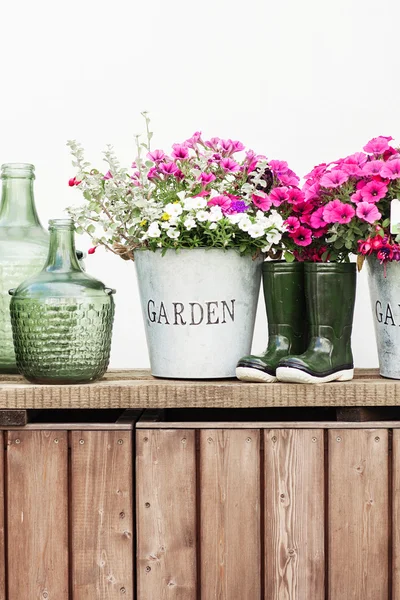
(61, 224)
(18, 170)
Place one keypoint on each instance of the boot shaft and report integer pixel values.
(283, 285)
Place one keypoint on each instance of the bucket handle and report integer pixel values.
(109, 291)
(11, 292)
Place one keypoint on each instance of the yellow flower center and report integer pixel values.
(166, 217)
(143, 223)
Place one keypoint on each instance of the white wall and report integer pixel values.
(303, 81)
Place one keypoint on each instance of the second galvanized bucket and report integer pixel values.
(199, 308)
(384, 288)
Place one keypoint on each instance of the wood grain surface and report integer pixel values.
(102, 515)
(396, 515)
(138, 389)
(166, 515)
(294, 514)
(2, 555)
(37, 512)
(230, 514)
(358, 527)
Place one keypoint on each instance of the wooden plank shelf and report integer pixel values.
(138, 389)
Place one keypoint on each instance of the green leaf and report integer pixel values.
(325, 255)
(91, 228)
(386, 223)
(288, 257)
(338, 244)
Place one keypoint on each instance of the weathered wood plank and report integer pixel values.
(137, 389)
(37, 513)
(396, 515)
(2, 554)
(166, 515)
(358, 515)
(230, 514)
(294, 514)
(268, 425)
(101, 515)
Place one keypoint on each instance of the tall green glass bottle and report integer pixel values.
(62, 317)
(23, 246)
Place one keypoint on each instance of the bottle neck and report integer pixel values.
(17, 207)
(62, 254)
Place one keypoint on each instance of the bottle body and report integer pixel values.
(62, 318)
(23, 247)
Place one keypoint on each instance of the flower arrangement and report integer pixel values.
(201, 194)
(350, 201)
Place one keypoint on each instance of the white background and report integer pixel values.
(303, 81)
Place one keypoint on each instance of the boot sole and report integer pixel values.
(292, 375)
(254, 375)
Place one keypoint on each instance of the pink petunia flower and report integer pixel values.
(373, 191)
(302, 236)
(295, 195)
(333, 179)
(338, 212)
(212, 143)
(223, 201)
(73, 181)
(358, 158)
(316, 219)
(279, 195)
(311, 191)
(195, 139)
(292, 224)
(317, 171)
(169, 168)
(378, 145)
(156, 156)
(367, 212)
(108, 175)
(289, 178)
(391, 169)
(352, 169)
(357, 197)
(373, 167)
(229, 165)
(180, 151)
(206, 178)
(279, 166)
(262, 202)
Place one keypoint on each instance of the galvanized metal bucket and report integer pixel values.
(199, 308)
(384, 289)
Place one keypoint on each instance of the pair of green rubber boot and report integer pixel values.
(310, 315)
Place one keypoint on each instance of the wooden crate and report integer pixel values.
(66, 510)
(267, 510)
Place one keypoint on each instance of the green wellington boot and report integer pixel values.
(330, 296)
(283, 285)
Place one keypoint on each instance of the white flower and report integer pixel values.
(195, 203)
(266, 248)
(276, 219)
(244, 223)
(274, 237)
(173, 221)
(234, 219)
(181, 196)
(165, 225)
(216, 214)
(202, 215)
(154, 231)
(256, 230)
(189, 223)
(173, 209)
(173, 233)
(213, 226)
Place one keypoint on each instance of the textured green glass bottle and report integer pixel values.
(24, 246)
(62, 318)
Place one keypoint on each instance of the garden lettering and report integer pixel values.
(385, 317)
(194, 313)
